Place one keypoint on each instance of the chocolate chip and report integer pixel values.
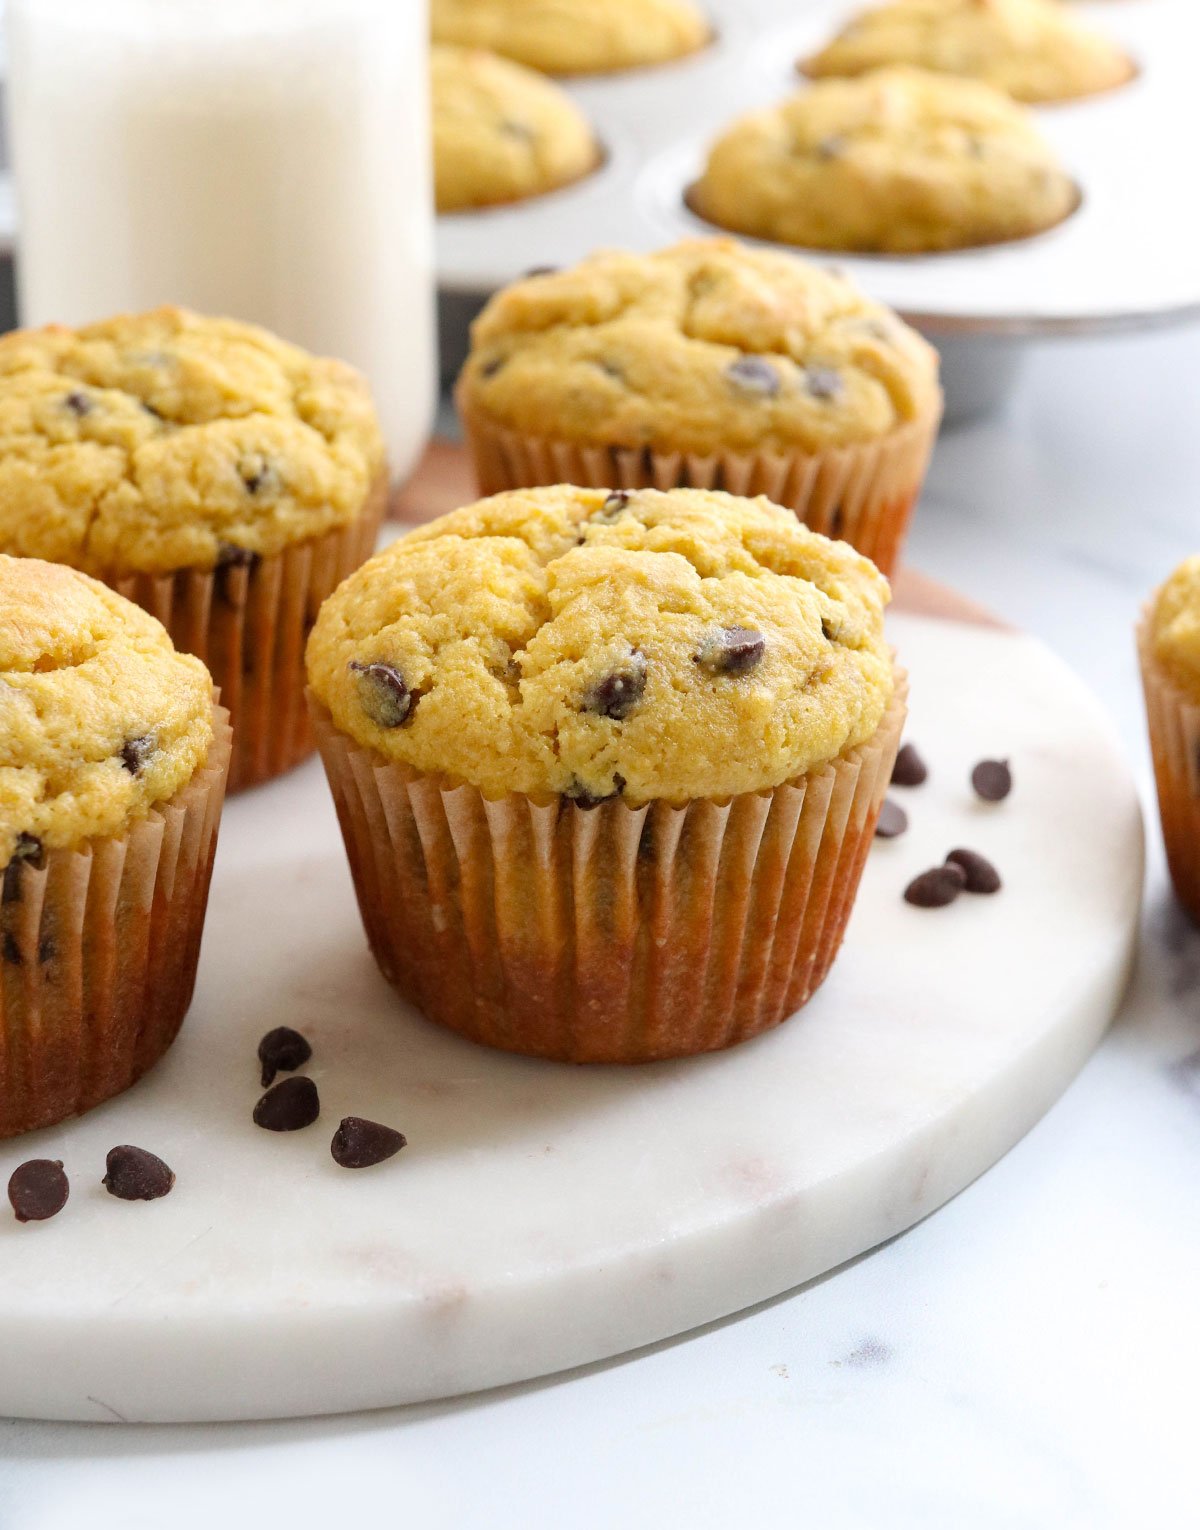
(229, 556)
(492, 365)
(831, 147)
(609, 368)
(79, 404)
(732, 651)
(282, 1050)
(981, 875)
(829, 631)
(135, 752)
(155, 414)
(289, 1106)
(541, 271)
(582, 798)
(910, 769)
(823, 382)
(751, 374)
(258, 475)
(383, 694)
(614, 505)
(357, 1144)
(937, 887)
(617, 693)
(518, 130)
(992, 780)
(133, 1174)
(893, 820)
(10, 950)
(27, 850)
(38, 1189)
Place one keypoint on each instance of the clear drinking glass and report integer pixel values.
(263, 159)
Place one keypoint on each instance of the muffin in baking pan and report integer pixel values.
(574, 36)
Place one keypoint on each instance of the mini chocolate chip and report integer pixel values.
(609, 368)
(492, 365)
(893, 820)
(383, 694)
(135, 752)
(11, 950)
(257, 475)
(582, 798)
(992, 780)
(830, 147)
(829, 632)
(282, 1050)
(519, 130)
(133, 1174)
(79, 404)
(981, 875)
(823, 382)
(732, 651)
(38, 1189)
(910, 769)
(541, 271)
(753, 375)
(155, 414)
(357, 1144)
(936, 887)
(230, 556)
(289, 1106)
(28, 849)
(617, 693)
(616, 502)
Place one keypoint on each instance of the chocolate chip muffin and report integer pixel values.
(502, 132)
(1032, 49)
(707, 365)
(574, 36)
(1169, 653)
(607, 764)
(900, 161)
(113, 759)
(223, 479)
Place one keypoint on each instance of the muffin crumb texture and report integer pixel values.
(100, 718)
(161, 441)
(574, 642)
(1175, 627)
(704, 347)
(574, 36)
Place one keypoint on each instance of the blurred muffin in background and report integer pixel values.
(1031, 49)
(574, 36)
(899, 161)
(502, 132)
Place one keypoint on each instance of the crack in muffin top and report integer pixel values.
(573, 36)
(100, 717)
(592, 644)
(705, 347)
(160, 441)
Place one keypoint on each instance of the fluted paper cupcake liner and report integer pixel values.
(1174, 722)
(863, 494)
(614, 934)
(249, 622)
(100, 947)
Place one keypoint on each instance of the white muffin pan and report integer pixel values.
(1127, 257)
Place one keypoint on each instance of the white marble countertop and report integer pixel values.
(1024, 1358)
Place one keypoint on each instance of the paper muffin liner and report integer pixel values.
(863, 494)
(99, 952)
(614, 934)
(249, 622)
(1174, 722)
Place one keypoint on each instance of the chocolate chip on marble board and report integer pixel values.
(732, 651)
(992, 780)
(754, 376)
(289, 1106)
(937, 887)
(38, 1189)
(135, 1174)
(910, 769)
(384, 695)
(823, 382)
(135, 752)
(982, 877)
(359, 1144)
(616, 694)
(892, 822)
(586, 800)
(79, 404)
(282, 1050)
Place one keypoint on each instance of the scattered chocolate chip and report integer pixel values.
(981, 875)
(383, 694)
(893, 820)
(357, 1144)
(609, 368)
(258, 475)
(619, 692)
(133, 1174)
(282, 1050)
(79, 404)
(289, 1106)
(823, 382)
(992, 780)
(937, 887)
(229, 556)
(831, 147)
(10, 950)
(910, 769)
(135, 752)
(28, 849)
(582, 798)
(829, 631)
(615, 503)
(751, 374)
(541, 271)
(155, 414)
(492, 365)
(38, 1189)
(519, 130)
(732, 651)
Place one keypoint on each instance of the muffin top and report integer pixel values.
(899, 160)
(1175, 627)
(100, 718)
(704, 347)
(1032, 49)
(501, 131)
(573, 36)
(164, 440)
(576, 642)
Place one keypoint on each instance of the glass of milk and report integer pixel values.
(268, 160)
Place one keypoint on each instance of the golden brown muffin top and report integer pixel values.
(573, 36)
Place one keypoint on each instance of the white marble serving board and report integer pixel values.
(544, 1216)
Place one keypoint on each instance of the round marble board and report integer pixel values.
(544, 1216)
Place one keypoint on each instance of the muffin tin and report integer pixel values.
(1126, 258)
